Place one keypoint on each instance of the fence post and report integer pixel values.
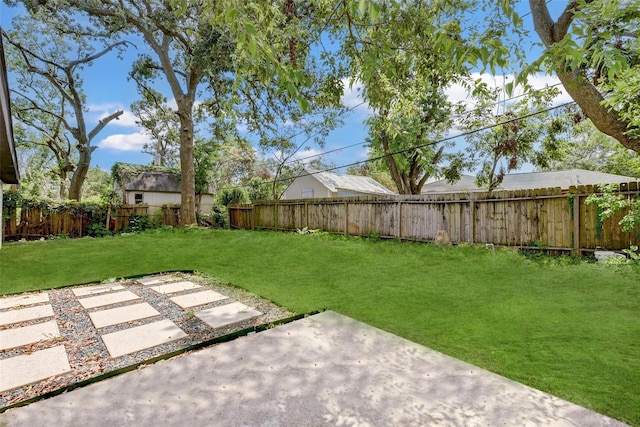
(472, 218)
(306, 214)
(576, 225)
(346, 218)
(399, 221)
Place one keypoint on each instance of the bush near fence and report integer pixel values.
(37, 220)
(547, 218)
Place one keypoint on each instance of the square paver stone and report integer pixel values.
(156, 280)
(19, 300)
(198, 298)
(227, 314)
(107, 299)
(23, 314)
(175, 287)
(127, 313)
(11, 338)
(142, 337)
(97, 289)
(39, 365)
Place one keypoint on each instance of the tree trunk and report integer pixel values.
(583, 92)
(80, 172)
(188, 174)
(393, 168)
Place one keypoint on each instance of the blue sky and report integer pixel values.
(108, 90)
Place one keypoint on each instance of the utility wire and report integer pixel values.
(414, 147)
(466, 113)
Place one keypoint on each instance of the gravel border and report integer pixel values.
(87, 354)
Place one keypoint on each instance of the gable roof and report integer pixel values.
(334, 182)
(141, 178)
(9, 173)
(153, 181)
(531, 180)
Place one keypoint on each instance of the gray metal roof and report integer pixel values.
(160, 182)
(361, 184)
(530, 180)
(9, 173)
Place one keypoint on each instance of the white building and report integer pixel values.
(311, 184)
(154, 189)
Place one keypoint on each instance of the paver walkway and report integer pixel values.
(32, 347)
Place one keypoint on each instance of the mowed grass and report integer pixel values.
(570, 329)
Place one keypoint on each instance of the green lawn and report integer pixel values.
(571, 329)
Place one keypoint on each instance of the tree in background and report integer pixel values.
(48, 99)
(515, 137)
(161, 123)
(589, 149)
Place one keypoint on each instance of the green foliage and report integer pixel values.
(97, 230)
(610, 202)
(516, 137)
(259, 189)
(587, 148)
(139, 223)
(232, 196)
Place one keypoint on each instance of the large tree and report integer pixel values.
(48, 97)
(185, 50)
(593, 47)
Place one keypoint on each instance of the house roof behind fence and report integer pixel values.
(135, 178)
(361, 184)
(531, 180)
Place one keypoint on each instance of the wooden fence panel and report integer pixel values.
(241, 216)
(542, 217)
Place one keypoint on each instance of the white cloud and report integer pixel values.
(125, 142)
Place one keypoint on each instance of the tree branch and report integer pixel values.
(102, 123)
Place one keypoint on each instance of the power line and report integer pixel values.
(414, 147)
(454, 116)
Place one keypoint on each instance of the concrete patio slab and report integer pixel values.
(227, 314)
(107, 299)
(21, 370)
(124, 314)
(17, 301)
(158, 280)
(175, 287)
(198, 298)
(16, 337)
(98, 289)
(325, 369)
(23, 314)
(141, 337)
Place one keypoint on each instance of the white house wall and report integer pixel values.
(304, 183)
(156, 200)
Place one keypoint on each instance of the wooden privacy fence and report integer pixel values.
(35, 222)
(542, 218)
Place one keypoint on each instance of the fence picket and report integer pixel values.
(543, 217)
